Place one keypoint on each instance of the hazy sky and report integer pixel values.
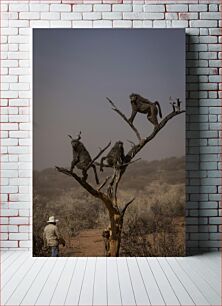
(75, 70)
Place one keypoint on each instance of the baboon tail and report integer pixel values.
(96, 176)
(159, 109)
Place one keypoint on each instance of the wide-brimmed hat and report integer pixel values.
(52, 220)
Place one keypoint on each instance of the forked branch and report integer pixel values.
(98, 155)
(124, 118)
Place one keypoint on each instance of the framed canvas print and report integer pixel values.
(109, 142)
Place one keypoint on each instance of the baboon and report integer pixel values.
(144, 106)
(81, 158)
(115, 156)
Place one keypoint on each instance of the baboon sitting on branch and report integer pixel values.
(81, 158)
(115, 157)
(144, 106)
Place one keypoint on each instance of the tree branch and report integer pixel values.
(98, 155)
(124, 118)
(126, 206)
(135, 149)
(104, 183)
(96, 193)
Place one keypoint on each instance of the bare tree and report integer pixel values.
(109, 197)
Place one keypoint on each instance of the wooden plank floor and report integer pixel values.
(192, 280)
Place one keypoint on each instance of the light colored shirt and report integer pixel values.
(51, 235)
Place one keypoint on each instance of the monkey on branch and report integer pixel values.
(81, 158)
(144, 106)
(115, 157)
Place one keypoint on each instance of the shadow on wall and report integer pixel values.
(197, 223)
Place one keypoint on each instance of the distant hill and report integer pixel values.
(50, 183)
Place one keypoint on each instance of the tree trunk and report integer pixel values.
(116, 230)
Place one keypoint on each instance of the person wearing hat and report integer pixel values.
(52, 237)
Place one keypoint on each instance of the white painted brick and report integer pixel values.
(18, 23)
(177, 8)
(50, 16)
(4, 158)
(9, 126)
(18, 118)
(19, 71)
(9, 142)
(9, 63)
(122, 23)
(135, 15)
(9, 78)
(180, 23)
(207, 15)
(25, 157)
(4, 220)
(5, 86)
(4, 236)
(25, 244)
(207, 55)
(13, 158)
(112, 15)
(19, 102)
(154, 8)
(82, 8)
(9, 173)
(13, 47)
(4, 181)
(25, 189)
(4, 39)
(82, 24)
(208, 39)
(214, 47)
(25, 94)
(92, 15)
(138, 23)
(25, 126)
(102, 24)
(9, 94)
(4, 7)
(197, 7)
(4, 102)
(19, 197)
(19, 134)
(18, 236)
(19, 182)
(60, 24)
(102, 7)
(213, 7)
(4, 71)
(39, 24)
(29, 15)
(24, 173)
(24, 229)
(9, 31)
(203, 23)
(18, 150)
(39, 7)
(215, 31)
(24, 213)
(162, 23)
(60, 8)
(71, 16)
(19, 86)
(8, 228)
(25, 142)
(18, 7)
(9, 212)
(215, 63)
(4, 134)
(137, 7)
(187, 16)
(9, 15)
(171, 16)
(9, 244)
(122, 7)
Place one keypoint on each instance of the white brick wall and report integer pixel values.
(201, 20)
